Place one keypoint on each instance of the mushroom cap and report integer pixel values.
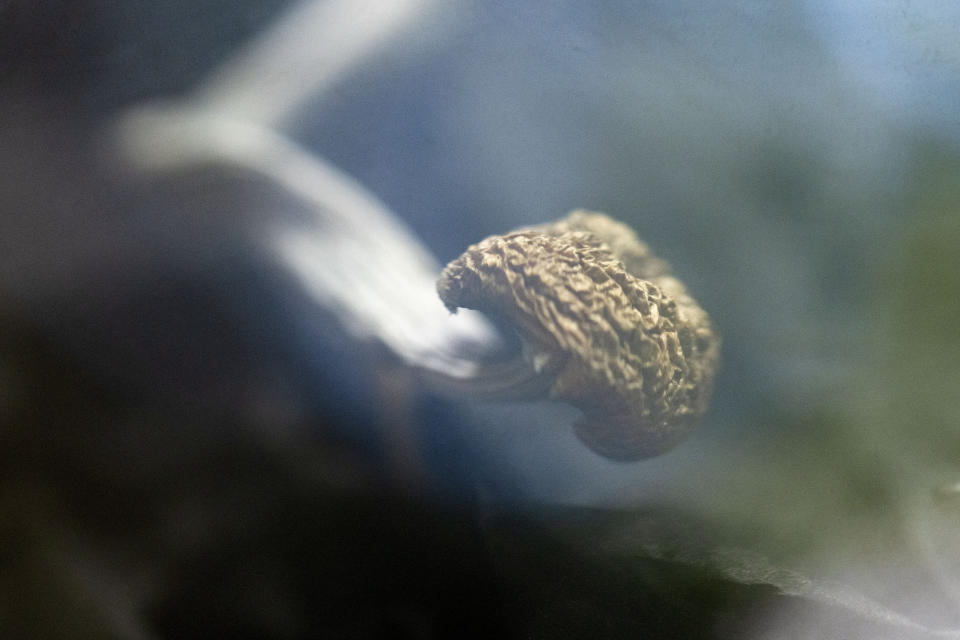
(591, 303)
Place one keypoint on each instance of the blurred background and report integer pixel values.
(190, 445)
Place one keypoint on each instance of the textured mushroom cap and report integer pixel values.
(627, 343)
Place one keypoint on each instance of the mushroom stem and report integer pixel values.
(352, 257)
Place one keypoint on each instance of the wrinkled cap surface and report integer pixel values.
(623, 339)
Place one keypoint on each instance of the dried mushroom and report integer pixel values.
(604, 321)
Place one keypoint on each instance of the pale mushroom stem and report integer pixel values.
(352, 257)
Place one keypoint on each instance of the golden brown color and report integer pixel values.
(595, 309)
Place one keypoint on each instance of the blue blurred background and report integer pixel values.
(796, 162)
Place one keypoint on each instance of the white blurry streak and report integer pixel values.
(311, 46)
(354, 258)
(388, 302)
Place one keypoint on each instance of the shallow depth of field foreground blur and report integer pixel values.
(193, 444)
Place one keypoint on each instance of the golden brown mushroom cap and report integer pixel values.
(627, 343)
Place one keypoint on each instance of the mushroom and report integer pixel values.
(601, 322)
(603, 325)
